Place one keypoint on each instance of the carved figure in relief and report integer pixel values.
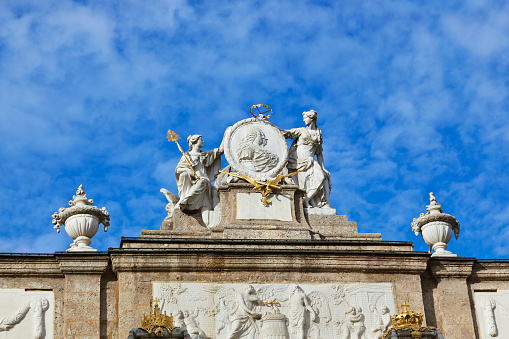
(252, 154)
(320, 304)
(244, 314)
(382, 321)
(489, 306)
(178, 320)
(39, 306)
(192, 326)
(314, 178)
(199, 194)
(299, 311)
(222, 317)
(353, 326)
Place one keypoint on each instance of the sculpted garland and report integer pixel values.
(257, 153)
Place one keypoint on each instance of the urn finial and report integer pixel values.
(81, 220)
(436, 227)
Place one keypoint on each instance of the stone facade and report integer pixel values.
(246, 259)
(104, 294)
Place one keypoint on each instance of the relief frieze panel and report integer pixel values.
(26, 314)
(492, 309)
(278, 311)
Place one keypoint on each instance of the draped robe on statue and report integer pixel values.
(305, 147)
(200, 194)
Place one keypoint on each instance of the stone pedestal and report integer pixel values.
(82, 296)
(452, 301)
(244, 216)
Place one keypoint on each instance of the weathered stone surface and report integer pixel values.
(452, 302)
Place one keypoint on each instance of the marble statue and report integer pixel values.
(252, 153)
(243, 324)
(313, 178)
(170, 207)
(199, 194)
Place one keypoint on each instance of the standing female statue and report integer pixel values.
(199, 194)
(313, 178)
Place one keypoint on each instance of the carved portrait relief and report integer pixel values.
(256, 148)
(252, 152)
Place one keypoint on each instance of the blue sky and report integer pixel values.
(412, 97)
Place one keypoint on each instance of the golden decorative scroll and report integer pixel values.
(265, 188)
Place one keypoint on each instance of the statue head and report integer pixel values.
(255, 136)
(309, 115)
(193, 140)
(350, 310)
(295, 288)
(250, 289)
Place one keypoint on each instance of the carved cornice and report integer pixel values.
(267, 260)
(83, 263)
(460, 268)
(491, 270)
(26, 265)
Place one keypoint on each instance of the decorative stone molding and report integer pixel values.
(81, 263)
(436, 228)
(81, 220)
(201, 260)
(453, 268)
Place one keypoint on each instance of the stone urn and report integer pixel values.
(436, 228)
(81, 220)
(275, 326)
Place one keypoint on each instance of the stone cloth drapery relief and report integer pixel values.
(278, 311)
(26, 314)
(492, 310)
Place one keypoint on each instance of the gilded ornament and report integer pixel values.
(172, 136)
(264, 187)
(261, 114)
(157, 321)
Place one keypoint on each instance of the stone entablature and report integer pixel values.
(117, 286)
